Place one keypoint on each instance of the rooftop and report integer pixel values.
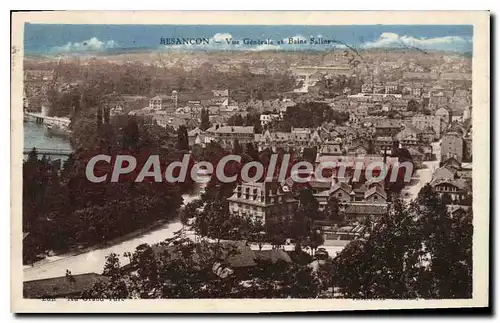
(61, 286)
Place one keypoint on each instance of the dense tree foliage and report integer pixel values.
(63, 209)
(181, 268)
(103, 78)
(205, 119)
(416, 251)
(311, 115)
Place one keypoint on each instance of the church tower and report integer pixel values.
(175, 98)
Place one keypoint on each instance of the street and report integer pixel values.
(94, 260)
(424, 175)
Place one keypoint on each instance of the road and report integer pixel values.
(94, 260)
(424, 175)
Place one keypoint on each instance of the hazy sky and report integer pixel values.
(54, 39)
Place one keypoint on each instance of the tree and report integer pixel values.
(32, 156)
(130, 134)
(379, 266)
(308, 204)
(112, 266)
(447, 198)
(257, 127)
(257, 233)
(331, 211)
(277, 231)
(205, 119)
(312, 115)
(236, 120)
(302, 225)
(181, 268)
(415, 251)
(182, 138)
(216, 221)
(99, 117)
(252, 151)
(412, 105)
(237, 149)
(449, 251)
(106, 115)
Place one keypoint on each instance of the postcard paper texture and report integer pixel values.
(210, 161)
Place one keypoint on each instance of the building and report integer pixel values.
(265, 119)
(452, 146)
(226, 135)
(196, 136)
(416, 91)
(331, 148)
(70, 286)
(444, 114)
(387, 127)
(467, 148)
(424, 122)
(427, 135)
(39, 75)
(367, 88)
(116, 109)
(220, 93)
(458, 211)
(452, 164)
(456, 188)
(262, 201)
(161, 102)
(391, 88)
(359, 211)
(417, 157)
(409, 136)
(274, 140)
(236, 258)
(357, 150)
(306, 137)
(443, 173)
(467, 113)
(342, 192)
(164, 120)
(378, 89)
(358, 114)
(298, 138)
(383, 145)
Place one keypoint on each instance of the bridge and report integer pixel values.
(49, 151)
(40, 118)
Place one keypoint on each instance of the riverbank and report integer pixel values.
(92, 258)
(93, 261)
(75, 251)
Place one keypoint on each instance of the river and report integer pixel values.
(36, 135)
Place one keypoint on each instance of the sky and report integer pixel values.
(51, 39)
